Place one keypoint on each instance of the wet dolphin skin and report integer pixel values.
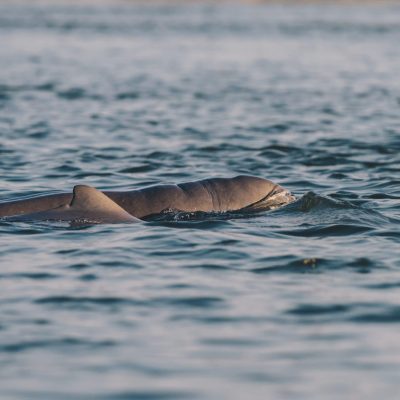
(209, 195)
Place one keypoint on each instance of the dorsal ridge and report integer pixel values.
(88, 199)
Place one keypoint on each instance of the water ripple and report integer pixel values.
(202, 305)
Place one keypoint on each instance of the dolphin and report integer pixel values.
(88, 205)
(247, 193)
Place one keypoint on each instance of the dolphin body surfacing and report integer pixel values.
(88, 205)
(243, 192)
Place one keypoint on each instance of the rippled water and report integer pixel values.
(297, 303)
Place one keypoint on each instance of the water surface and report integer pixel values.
(297, 303)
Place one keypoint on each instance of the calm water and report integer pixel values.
(298, 303)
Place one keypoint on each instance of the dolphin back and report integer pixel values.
(216, 194)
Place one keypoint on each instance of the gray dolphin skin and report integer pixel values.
(243, 192)
(88, 205)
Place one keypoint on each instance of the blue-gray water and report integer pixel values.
(299, 303)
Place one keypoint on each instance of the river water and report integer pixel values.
(297, 303)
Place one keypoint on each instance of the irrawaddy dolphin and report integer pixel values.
(247, 193)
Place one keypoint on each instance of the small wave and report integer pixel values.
(319, 309)
(132, 95)
(316, 215)
(384, 285)
(57, 343)
(315, 264)
(312, 201)
(82, 301)
(191, 302)
(387, 315)
(139, 168)
(331, 230)
(354, 312)
(76, 93)
(30, 275)
(147, 395)
(304, 265)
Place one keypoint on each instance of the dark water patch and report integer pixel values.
(152, 122)
(341, 212)
(78, 266)
(72, 394)
(111, 156)
(77, 93)
(67, 168)
(387, 315)
(364, 265)
(5, 150)
(118, 263)
(160, 155)
(299, 183)
(342, 195)
(319, 160)
(171, 253)
(218, 319)
(274, 128)
(180, 286)
(316, 310)
(306, 265)
(280, 150)
(46, 87)
(37, 130)
(231, 342)
(54, 176)
(41, 321)
(312, 201)
(24, 229)
(385, 183)
(58, 344)
(4, 96)
(166, 394)
(381, 196)
(351, 312)
(316, 265)
(113, 303)
(207, 266)
(30, 275)
(88, 277)
(90, 174)
(215, 148)
(394, 235)
(383, 285)
(149, 395)
(338, 28)
(327, 231)
(31, 194)
(10, 89)
(195, 132)
(7, 89)
(132, 95)
(139, 168)
(188, 223)
(68, 252)
(82, 302)
(191, 302)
